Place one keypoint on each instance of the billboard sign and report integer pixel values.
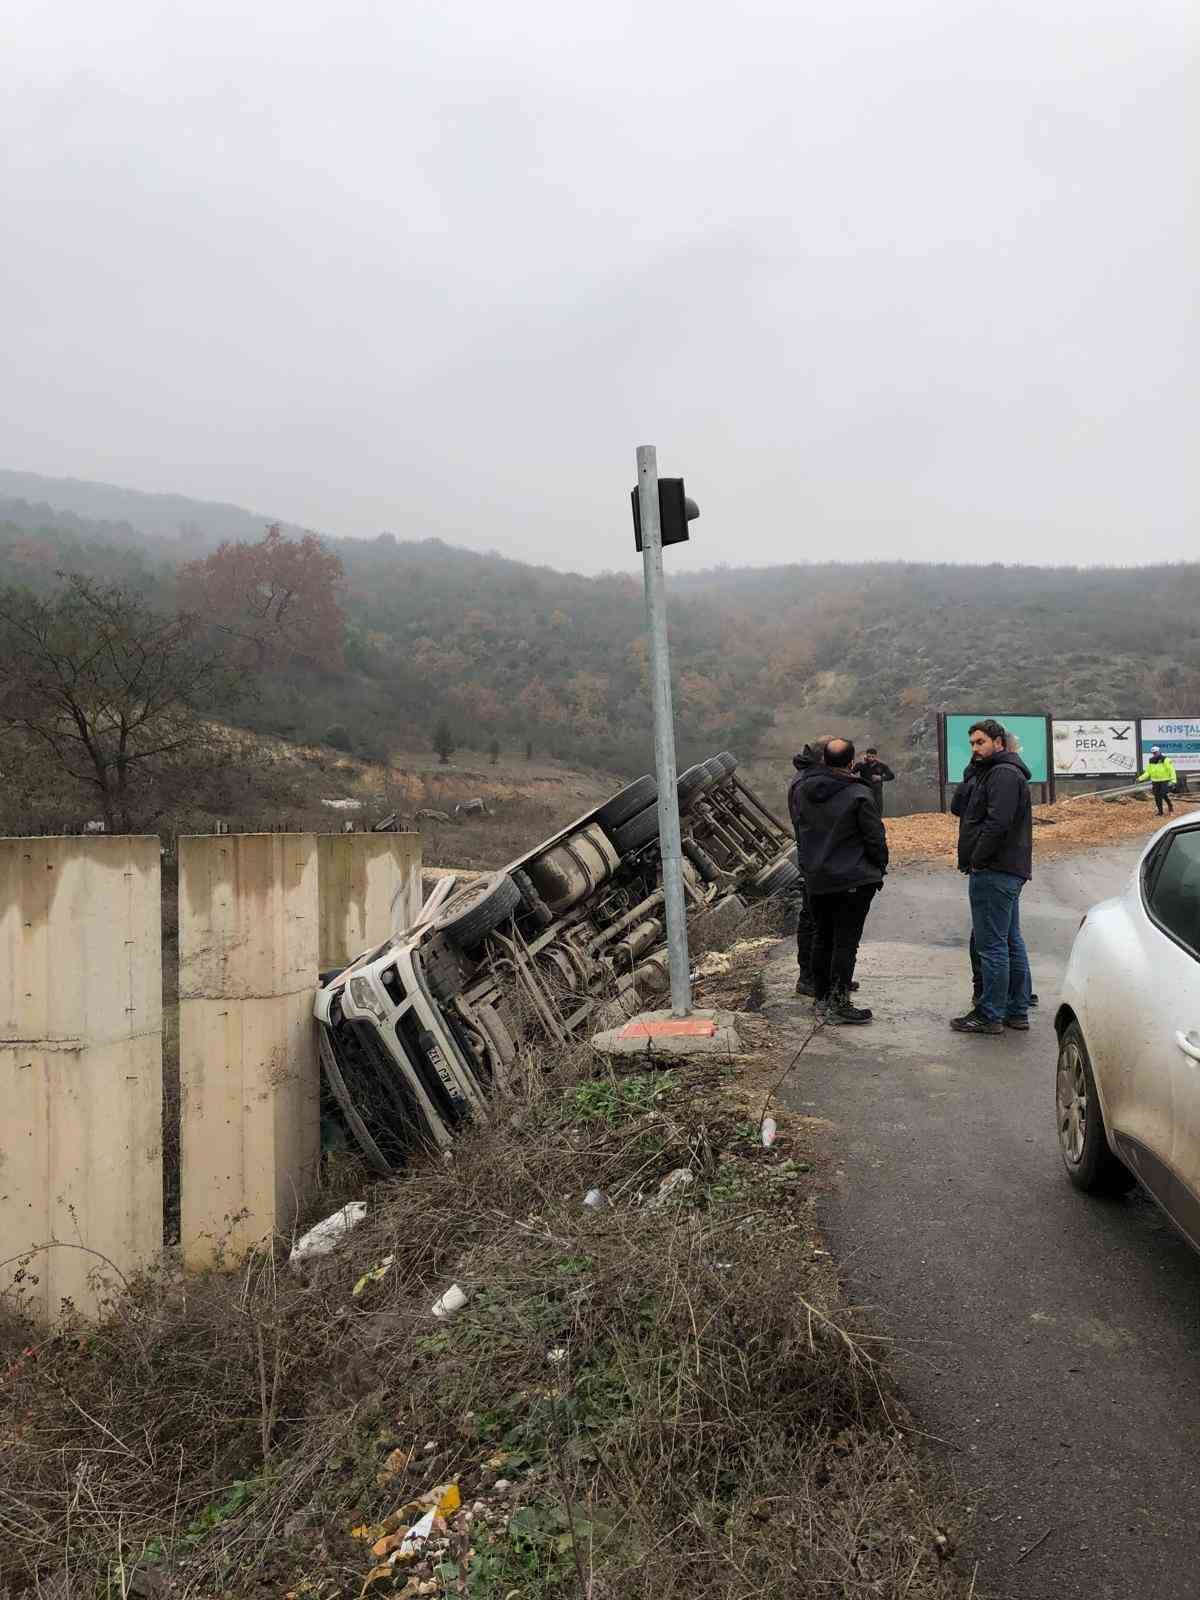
(1177, 737)
(1026, 738)
(1086, 749)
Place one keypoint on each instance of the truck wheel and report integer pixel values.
(691, 783)
(626, 803)
(639, 831)
(474, 911)
(778, 878)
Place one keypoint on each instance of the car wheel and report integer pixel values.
(1091, 1165)
(637, 832)
(729, 761)
(716, 769)
(626, 803)
(475, 910)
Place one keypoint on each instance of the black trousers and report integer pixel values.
(839, 920)
(1162, 791)
(805, 932)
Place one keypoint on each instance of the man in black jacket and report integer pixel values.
(958, 806)
(843, 850)
(876, 773)
(995, 848)
(811, 756)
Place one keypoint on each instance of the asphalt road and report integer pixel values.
(1052, 1340)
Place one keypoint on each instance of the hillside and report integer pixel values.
(556, 661)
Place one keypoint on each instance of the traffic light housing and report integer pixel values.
(675, 511)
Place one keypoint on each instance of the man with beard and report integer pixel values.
(958, 806)
(995, 850)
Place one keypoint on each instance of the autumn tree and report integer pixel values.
(278, 598)
(444, 742)
(111, 690)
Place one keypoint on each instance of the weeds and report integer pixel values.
(651, 1404)
(614, 1100)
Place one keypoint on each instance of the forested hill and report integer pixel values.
(525, 654)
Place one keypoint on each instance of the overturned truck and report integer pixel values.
(572, 935)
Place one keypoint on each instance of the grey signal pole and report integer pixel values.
(664, 733)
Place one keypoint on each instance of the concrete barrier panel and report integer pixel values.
(80, 1061)
(370, 885)
(249, 1079)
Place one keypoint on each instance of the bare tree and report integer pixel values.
(113, 691)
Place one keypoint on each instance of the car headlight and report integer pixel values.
(362, 992)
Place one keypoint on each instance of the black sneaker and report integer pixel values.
(840, 1012)
(1033, 1000)
(974, 1023)
(804, 985)
(1020, 1024)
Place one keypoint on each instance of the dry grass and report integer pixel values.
(716, 1425)
(1058, 830)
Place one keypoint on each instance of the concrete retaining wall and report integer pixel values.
(248, 962)
(370, 885)
(80, 1061)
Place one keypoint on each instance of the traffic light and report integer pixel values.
(675, 511)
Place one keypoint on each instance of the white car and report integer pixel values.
(1128, 1091)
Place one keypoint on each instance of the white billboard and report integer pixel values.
(1177, 737)
(1087, 749)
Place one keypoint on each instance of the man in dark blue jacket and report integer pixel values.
(995, 849)
(844, 854)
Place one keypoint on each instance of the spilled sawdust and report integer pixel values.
(1058, 830)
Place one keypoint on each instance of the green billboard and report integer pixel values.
(1026, 738)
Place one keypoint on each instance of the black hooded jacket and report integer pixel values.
(840, 834)
(995, 812)
(804, 762)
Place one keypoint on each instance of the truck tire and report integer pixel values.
(476, 909)
(729, 761)
(691, 783)
(638, 831)
(626, 803)
(778, 878)
(716, 770)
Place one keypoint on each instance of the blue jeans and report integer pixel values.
(996, 921)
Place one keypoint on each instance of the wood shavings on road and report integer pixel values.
(1058, 830)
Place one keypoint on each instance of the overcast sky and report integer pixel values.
(890, 279)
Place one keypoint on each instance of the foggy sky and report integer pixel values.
(910, 278)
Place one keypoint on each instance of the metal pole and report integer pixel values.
(664, 733)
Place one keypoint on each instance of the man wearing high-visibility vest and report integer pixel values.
(1160, 772)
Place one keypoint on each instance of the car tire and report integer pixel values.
(477, 909)
(691, 783)
(626, 803)
(1091, 1165)
(716, 769)
(638, 831)
(729, 761)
